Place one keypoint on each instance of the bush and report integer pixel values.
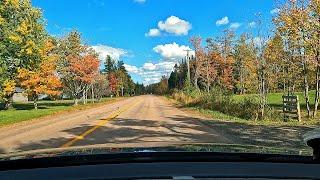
(248, 108)
(218, 100)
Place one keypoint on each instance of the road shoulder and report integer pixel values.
(280, 135)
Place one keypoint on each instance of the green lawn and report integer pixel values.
(275, 99)
(26, 111)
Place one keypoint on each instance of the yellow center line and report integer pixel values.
(104, 121)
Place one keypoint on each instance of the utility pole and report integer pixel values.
(188, 64)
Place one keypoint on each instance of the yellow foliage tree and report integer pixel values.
(44, 79)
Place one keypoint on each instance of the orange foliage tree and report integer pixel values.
(113, 82)
(81, 72)
(42, 80)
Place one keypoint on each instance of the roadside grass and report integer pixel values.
(274, 101)
(25, 111)
(218, 116)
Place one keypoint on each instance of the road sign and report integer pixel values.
(291, 107)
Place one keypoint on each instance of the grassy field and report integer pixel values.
(275, 99)
(26, 111)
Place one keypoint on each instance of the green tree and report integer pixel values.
(109, 65)
(22, 35)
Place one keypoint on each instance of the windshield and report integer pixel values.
(103, 76)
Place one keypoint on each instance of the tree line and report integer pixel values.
(58, 67)
(285, 60)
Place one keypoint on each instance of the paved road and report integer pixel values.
(134, 122)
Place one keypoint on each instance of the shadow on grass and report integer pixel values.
(41, 105)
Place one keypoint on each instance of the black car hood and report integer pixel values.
(208, 147)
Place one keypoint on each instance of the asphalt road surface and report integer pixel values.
(144, 121)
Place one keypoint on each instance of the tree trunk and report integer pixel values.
(208, 81)
(92, 94)
(241, 82)
(284, 80)
(122, 91)
(8, 104)
(306, 87)
(84, 96)
(263, 94)
(35, 102)
(76, 102)
(195, 81)
(316, 100)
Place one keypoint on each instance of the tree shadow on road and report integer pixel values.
(122, 131)
(263, 135)
(177, 129)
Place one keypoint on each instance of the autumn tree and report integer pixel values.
(21, 37)
(78, 66)
(278, 65)
(100, 86)
(113, 83)
(82, 71)
(43, 79)
(314, 44)
(259, 44)
(219, 60)
(244, 68)
(292, 23)
(198, 61)
(227, 53)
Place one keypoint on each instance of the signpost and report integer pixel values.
(291, 107)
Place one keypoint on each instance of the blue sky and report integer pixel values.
(149, 35)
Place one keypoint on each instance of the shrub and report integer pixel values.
(218, 100)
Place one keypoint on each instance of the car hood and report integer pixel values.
(207, 147)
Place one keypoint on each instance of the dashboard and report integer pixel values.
(163, 166)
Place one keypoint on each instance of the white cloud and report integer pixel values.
(153, 33)
(151, 72)
(235, 26)
(149, 66)
(104, 50)
(148, 80)
(132, 69)
(275, 11)
(223, 21)
(175, 25)
(172, 52)
(139, 1)
(172, 25)
(165, 67)
(252, 24)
